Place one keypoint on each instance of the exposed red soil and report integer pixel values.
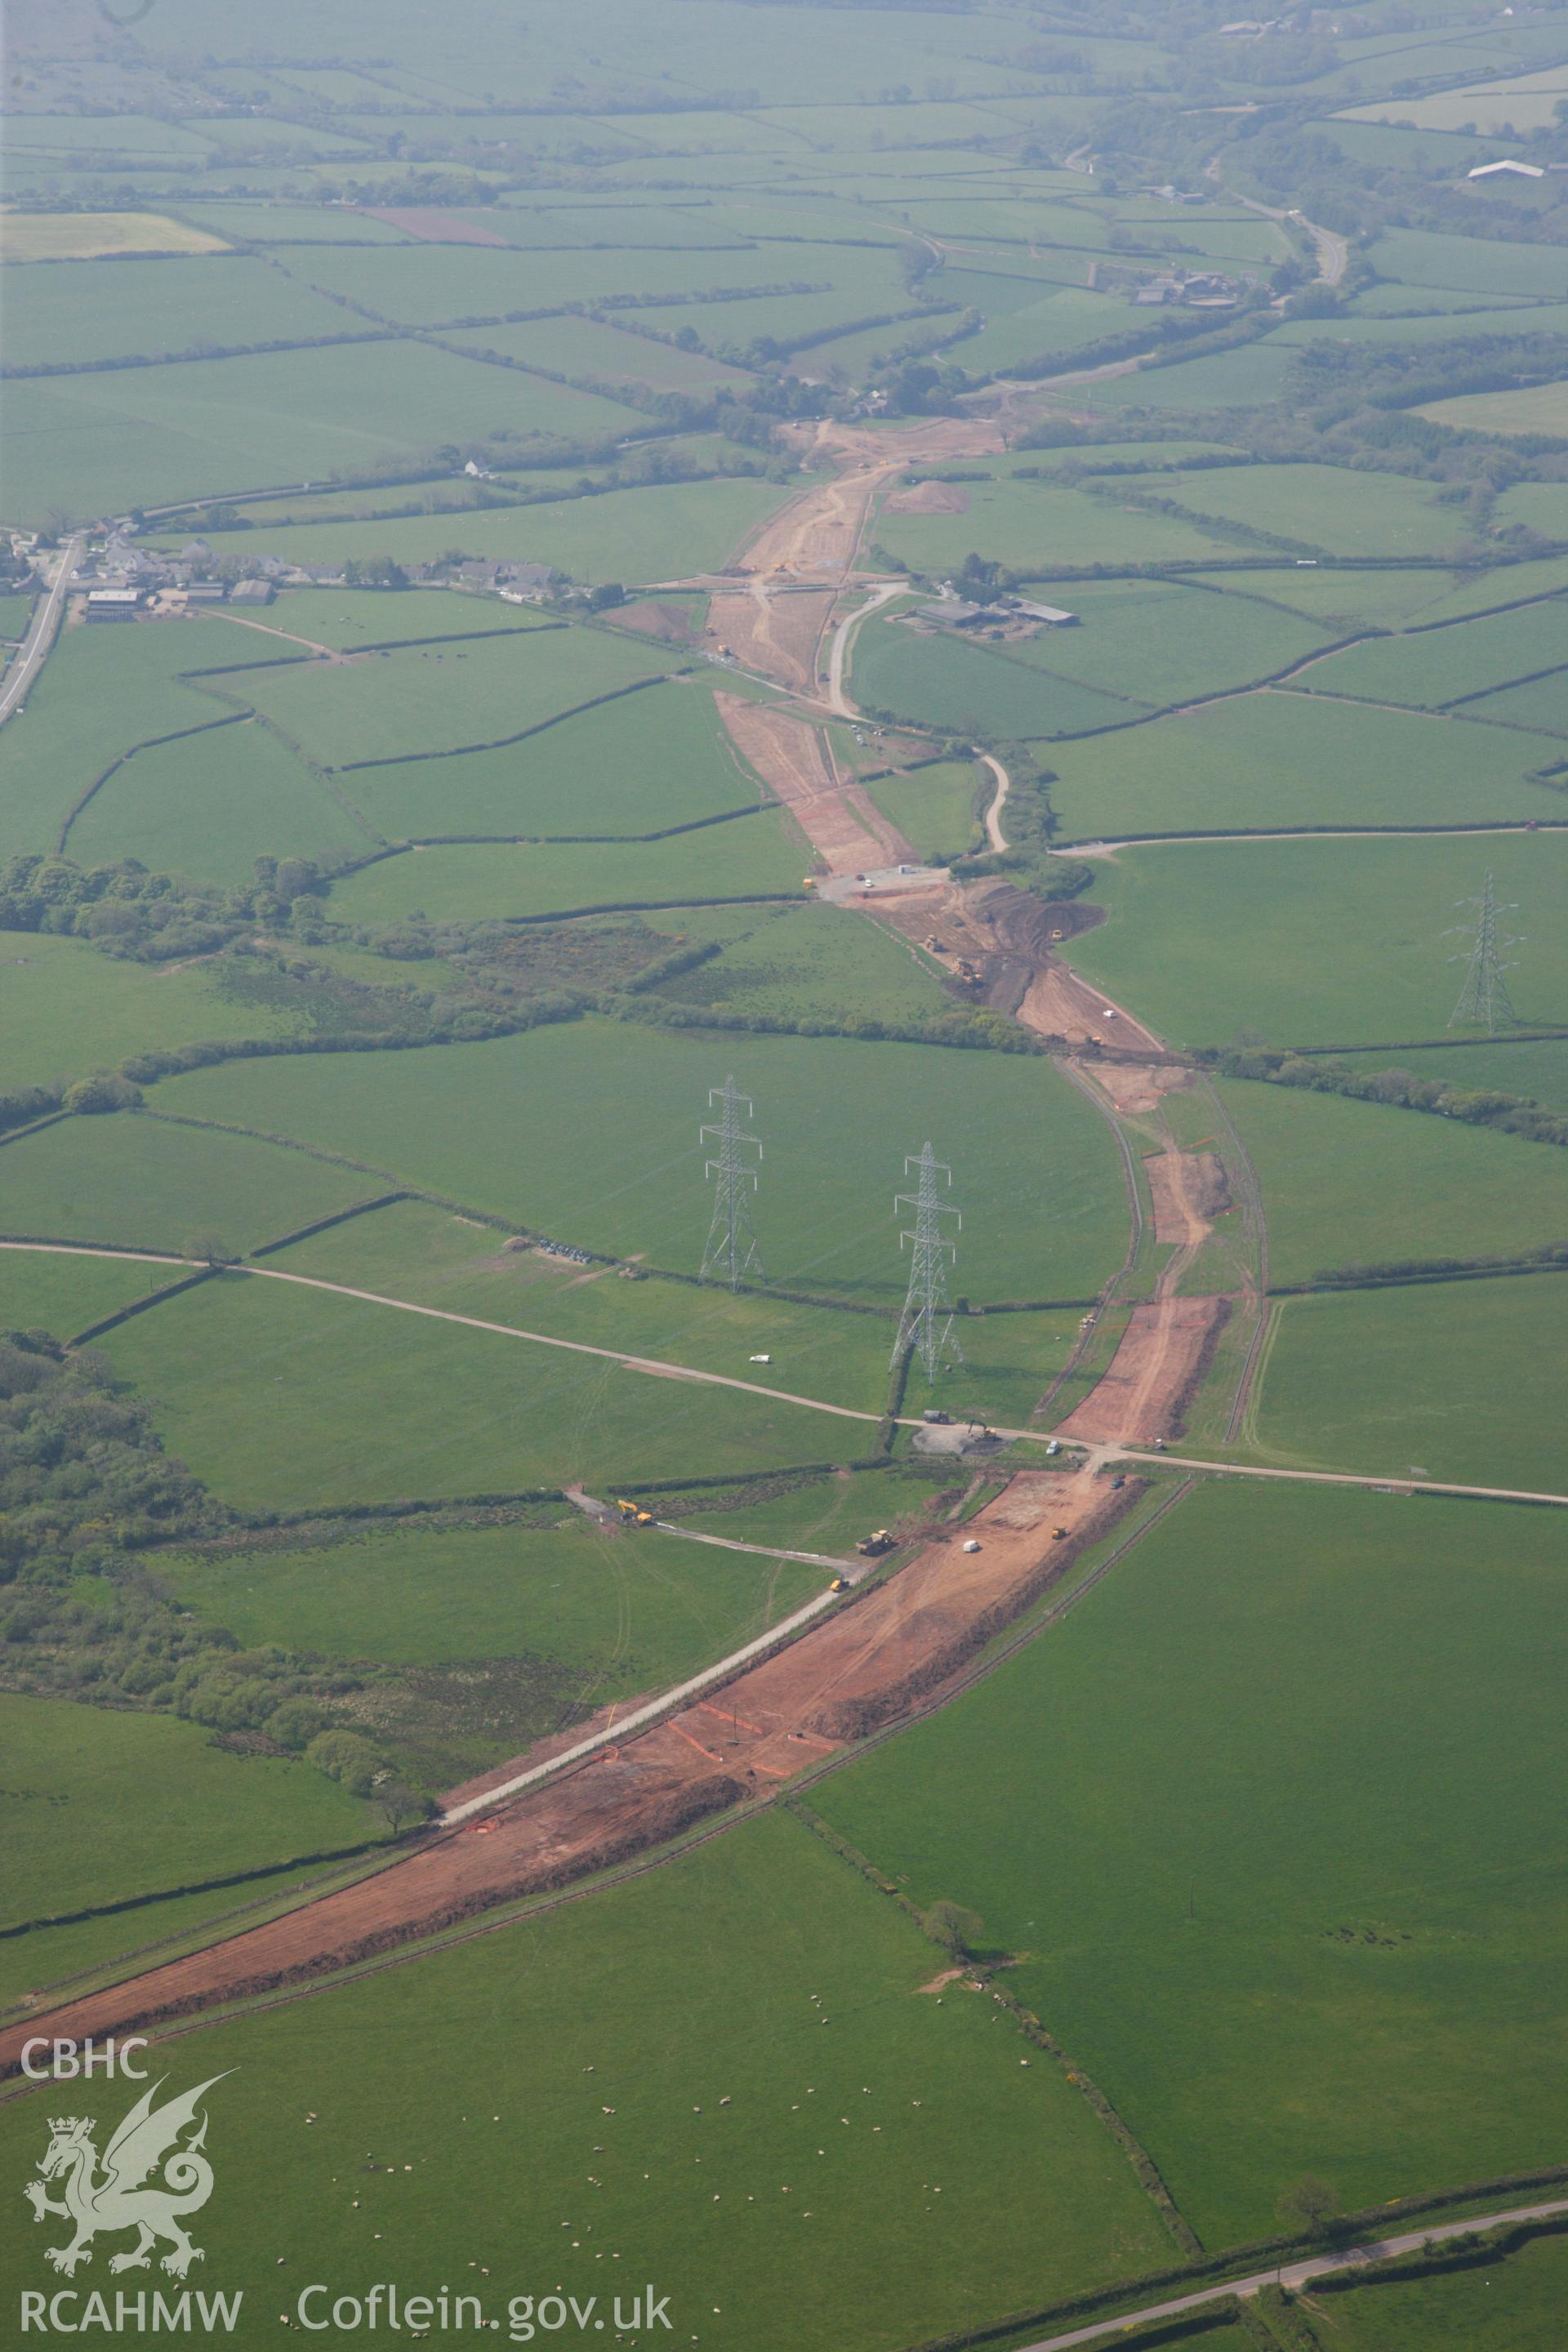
(431, 222)
(1162, 1355)
(652, 619)
(929, 498)
(773, 630)
(841, 821)
(1185, 1186)
(858, 1668)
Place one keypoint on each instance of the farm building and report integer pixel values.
(252, 592)
(113, 603)
(1519, 170)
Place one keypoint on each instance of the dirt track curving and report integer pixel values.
(855, 1671)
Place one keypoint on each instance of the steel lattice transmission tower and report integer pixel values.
(731, 1252)
(1484, 996)
(926, 1323)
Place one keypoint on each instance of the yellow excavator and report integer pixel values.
(634, 1516)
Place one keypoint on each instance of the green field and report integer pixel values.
(935, 807)
(1251, 375)
(1276, 762)
(353, 620)
(757, 855)
(144, 1184)
(1542, 704)
(442, 697)
(1493, 2306)
(939, 679)
(1321, 942)
(422, 1254)
(93, 443)
(101, 692)
(49, 1291)
(381, 1406)
(627, 535)
(1035, 1170)
(85, 311)
(1160, 644)
(1038, 528)
(210, 806)
(83, 236)
(1422, 257)
(1355, 1183)
(923, 2207)
(104, 1805)
(1323, 507)
(67, 1009)
(614, 1614)
(1345, 600)
(804, 960)
(593, 350)
(1440, 666)
(1542, 408)
(1539, 1071)
(1266, 1972)
(636, 765)
(1463, 1379)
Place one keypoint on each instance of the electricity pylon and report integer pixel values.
(731, 1252)
(926, 1323)
(1484, 996)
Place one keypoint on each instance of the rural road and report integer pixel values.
(838, 659)
(1293, 2275)
(1099, 1452)
(40, 635)
(1342, 833)
(993, 833)
(640, 1718)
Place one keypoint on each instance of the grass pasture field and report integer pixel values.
(1039, 528)
(623, 1997)
(619, 1613)
(144, 1184)
(442, 697)
(1538, 1070)
(1313, 943)
(109, 1804)
(1355, 1183)
(1436, 667)
(1538, 408)
(369, 1404)
(758, 855)
(101, 442)
(1260, 1982)
(635, 765)
(594, 350)
(44, 1290)
(1035, 1172)
(934, 807)
(356, 620)
(91, 310)
(1277, 762)
(210, 806)
(1430, 1378)
(1156, 643)
(416, 1252)
(1329, 508)
(636, 535)
(66, 1009)
(1542, 704)
(1346, 602)
(936, 678)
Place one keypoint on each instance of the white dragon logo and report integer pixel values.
(146, 2139)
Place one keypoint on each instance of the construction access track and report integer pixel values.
(891, 1645)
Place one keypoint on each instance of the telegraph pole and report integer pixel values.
(1484, 996)
(731, 1254)
(926, 1323)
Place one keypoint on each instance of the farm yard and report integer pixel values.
(782, 1195)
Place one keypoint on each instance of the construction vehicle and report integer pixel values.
(971, 1544)
(1053, 1447)
(1057, 1533)
(1117, 1483)
(934, 1412)
(634, 1516)
(873, 1545)
(839, 1584)
(1159, 1445)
